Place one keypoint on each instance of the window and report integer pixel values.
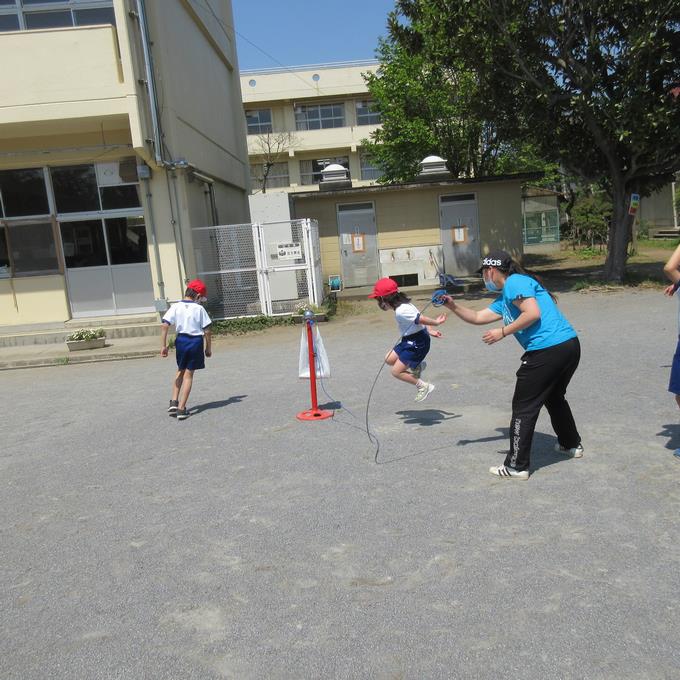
(4, 255)
(127, 240)
(367, 113)
(75, 188)
(23, 192)
(278, 175)
(32, 248)
(319, 116)
(369, 168)
(84, 244)
(310, 171)
(259, 121)
(104, 186)
(36, 14)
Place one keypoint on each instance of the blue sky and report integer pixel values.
(297, 32)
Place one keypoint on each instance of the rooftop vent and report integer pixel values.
(334, 176)
(433, 166)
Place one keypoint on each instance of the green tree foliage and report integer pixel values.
(590, 219)
(592, 84)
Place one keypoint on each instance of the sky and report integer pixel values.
(298, 32)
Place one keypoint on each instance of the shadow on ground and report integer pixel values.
(672, 431)
(543, 451)
(199, 408)
(426, 418)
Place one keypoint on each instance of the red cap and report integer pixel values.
(199, 287)
(384, 287)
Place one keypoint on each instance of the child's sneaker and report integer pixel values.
(182, 413)
(509, 473)
(424, 391)
(676, 453)
(172, 409)
(415, 372)
(576, 452)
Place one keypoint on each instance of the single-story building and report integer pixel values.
(415, 230)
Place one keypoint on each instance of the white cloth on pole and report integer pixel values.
(323, 368)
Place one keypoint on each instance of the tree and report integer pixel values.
(272, 148)
(590, 83)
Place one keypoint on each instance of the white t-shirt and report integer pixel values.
(187, 317)
(407, 319)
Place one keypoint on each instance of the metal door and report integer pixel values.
(460, 234)
(358, 237)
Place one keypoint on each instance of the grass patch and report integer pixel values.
(631, 280)
(249, 324)
(61, 361)
(346, 308)
(660, 244)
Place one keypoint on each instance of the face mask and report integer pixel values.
(383, 305)
(490, 285)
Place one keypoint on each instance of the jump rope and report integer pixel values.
(437, 300)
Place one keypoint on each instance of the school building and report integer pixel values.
(121, 130)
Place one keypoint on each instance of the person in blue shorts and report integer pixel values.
(192, 325)
(406, 358)
(672, 271)
(551, 355)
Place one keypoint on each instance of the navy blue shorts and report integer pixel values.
(189, 352)
(674, 385)
(412, 349)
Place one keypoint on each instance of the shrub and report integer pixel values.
(87, 334)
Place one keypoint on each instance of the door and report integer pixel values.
(107, 268)
(460, 234)
(358, 236)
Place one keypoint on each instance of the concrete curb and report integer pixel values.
(67, 360)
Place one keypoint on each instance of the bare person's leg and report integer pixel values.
(400, 373)
(177, 385)
(186, 384)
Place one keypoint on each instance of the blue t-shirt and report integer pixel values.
(551, 329)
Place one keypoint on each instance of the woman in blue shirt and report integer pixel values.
(552, 353)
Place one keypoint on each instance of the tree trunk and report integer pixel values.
(619, 235)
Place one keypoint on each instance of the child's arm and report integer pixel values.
(428, 323)
(672, 271)
(164, 339)
(208, 342)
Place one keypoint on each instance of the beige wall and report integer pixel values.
(74, 96)
(410, 217)
(32, 300)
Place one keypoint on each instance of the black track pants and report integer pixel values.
(542, 379)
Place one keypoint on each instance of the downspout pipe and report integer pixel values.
(150, 82)
(154, 240)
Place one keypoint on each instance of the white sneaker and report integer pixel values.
(416, 372)
(424, 391)
(502, 471)
(576, 452)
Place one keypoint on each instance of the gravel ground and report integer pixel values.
(243, 543)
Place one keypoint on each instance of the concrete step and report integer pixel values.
(51, 336)
(110, 321)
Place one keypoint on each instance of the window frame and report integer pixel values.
(256, 182)
(340, 160)
(303, 119)
(368, 104)
(5, 225)
(20, 10)
(260, 124)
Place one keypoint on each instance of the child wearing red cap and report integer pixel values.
(192, 325)
(406, 358)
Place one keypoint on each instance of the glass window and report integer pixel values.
(83, 243)
(367, 113)
(119, 197)
(75, 188)
(57, 19)
(9, 22)
(278, 175)
(23, 192)
(259, 121)
(4, 255)
(43, 2)
(127, 240)
(319, 116)
(369, 168)
(310, 171)
(32, 248)
(95, 16)
(8, 3)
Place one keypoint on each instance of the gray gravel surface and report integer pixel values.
(242, 543)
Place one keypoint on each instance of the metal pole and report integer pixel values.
(312, 366)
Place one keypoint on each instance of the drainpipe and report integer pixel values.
(150, 82)
(154, 239)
